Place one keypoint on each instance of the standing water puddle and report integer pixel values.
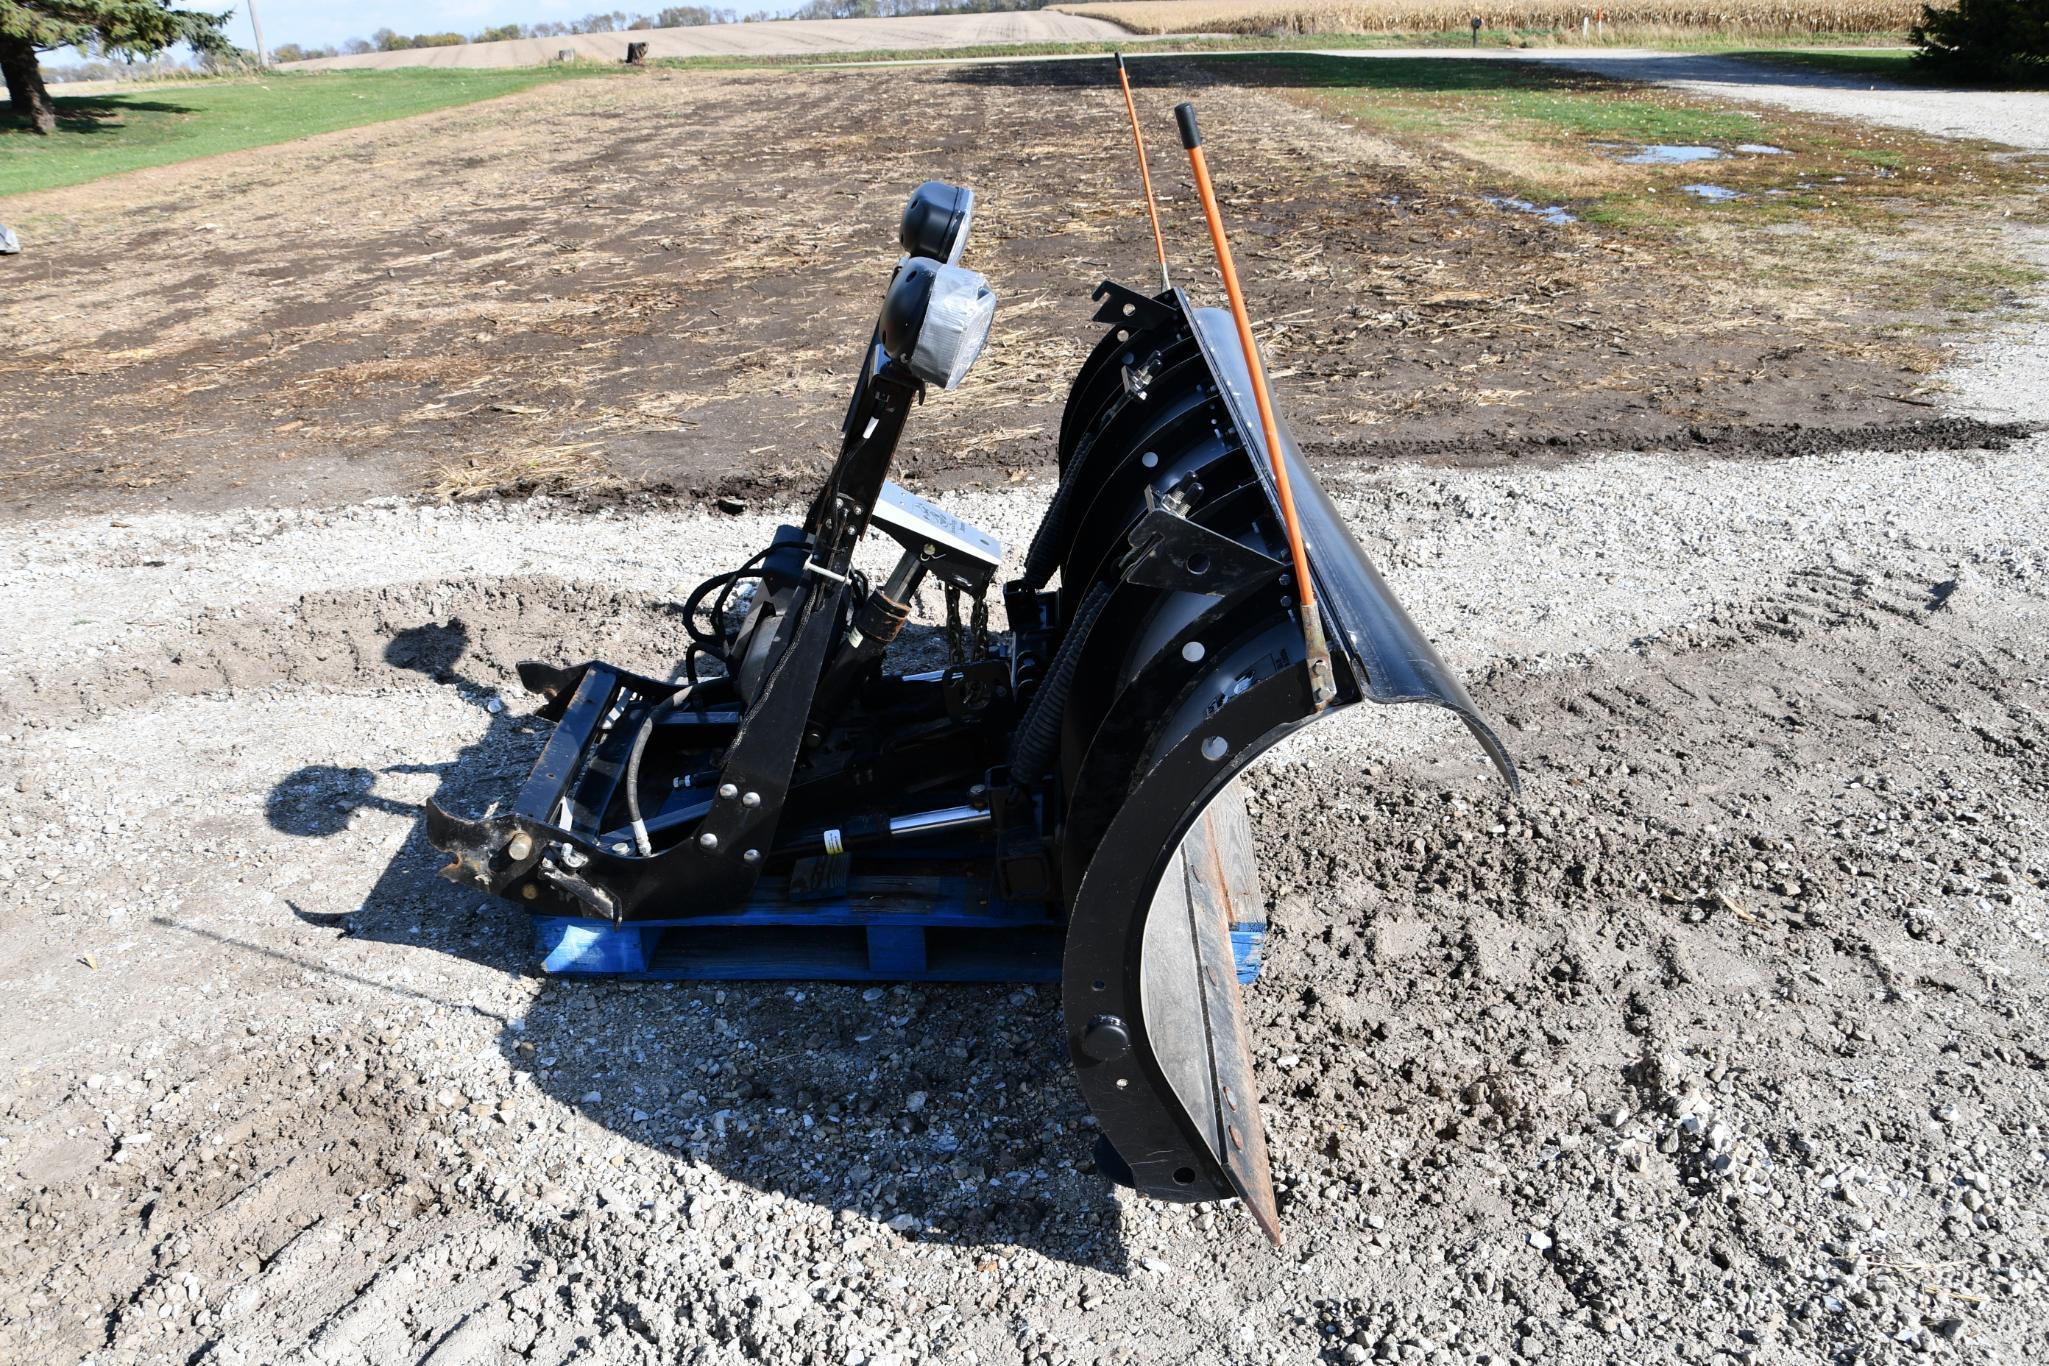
(1760, 149)
(1665, 154)
(1713, 192)
(1554, 214)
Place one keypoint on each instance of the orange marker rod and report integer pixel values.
(1323, 686)
(1144, 172)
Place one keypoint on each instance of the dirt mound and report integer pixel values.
(1763, 441)
(367, 639)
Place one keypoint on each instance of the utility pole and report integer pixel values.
(262, 52)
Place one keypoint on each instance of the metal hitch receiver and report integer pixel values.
(1056, 801)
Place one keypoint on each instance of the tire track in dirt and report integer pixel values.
(282, 1231)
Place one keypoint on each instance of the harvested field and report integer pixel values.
(540, 292)
(1741, 18)
(770, 38)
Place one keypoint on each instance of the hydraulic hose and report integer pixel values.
(640, 738)
(1038, 734)
(1044, 555)
(723, 584)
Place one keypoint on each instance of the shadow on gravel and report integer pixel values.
(939, 1113)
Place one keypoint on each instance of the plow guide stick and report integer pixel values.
(1322, 685)
(1145, 173)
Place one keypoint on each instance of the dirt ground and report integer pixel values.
(666, 281)
(1723, 1046)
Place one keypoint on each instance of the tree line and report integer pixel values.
(620, 21)
(614, 21)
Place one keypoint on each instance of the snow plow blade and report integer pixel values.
(1168, 517)
(1055, 803)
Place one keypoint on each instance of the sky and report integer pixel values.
(321, 23)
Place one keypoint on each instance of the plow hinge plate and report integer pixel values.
(1169, 551)
(1129, 308)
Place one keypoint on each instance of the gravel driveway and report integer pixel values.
(1726, 1042)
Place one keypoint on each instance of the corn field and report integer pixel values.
(1736, 17)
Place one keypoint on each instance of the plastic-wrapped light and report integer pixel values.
(936, 320)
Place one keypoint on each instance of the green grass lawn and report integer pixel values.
(1432, 95)
(1894, 65)
(102, 135)
(154, 125)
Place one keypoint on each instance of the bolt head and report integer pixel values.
(708, 840)
(751, 856)
(1106, 1038)
(728, 791)
(752, 799)
(530, 892)
(519, 847)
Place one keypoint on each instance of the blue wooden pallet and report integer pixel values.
(765, 950)
(882, 927)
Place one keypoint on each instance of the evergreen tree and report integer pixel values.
(1986, 39)
(141, 28)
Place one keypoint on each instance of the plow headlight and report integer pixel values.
(936, 320)
(935, 225)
